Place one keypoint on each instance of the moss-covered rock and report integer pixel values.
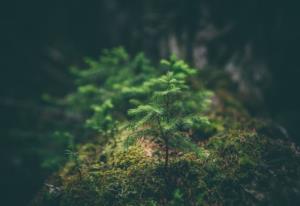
(239, 165)
(230, 158)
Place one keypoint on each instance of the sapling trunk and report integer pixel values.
(166, 153)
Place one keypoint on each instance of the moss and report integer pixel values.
(241, 167)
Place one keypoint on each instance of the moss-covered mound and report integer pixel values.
(238, 160)
(239, 166)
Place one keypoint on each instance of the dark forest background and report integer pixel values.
(256, 42)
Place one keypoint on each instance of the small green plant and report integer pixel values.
(100, 99)
(167, 110)
(103, 120)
